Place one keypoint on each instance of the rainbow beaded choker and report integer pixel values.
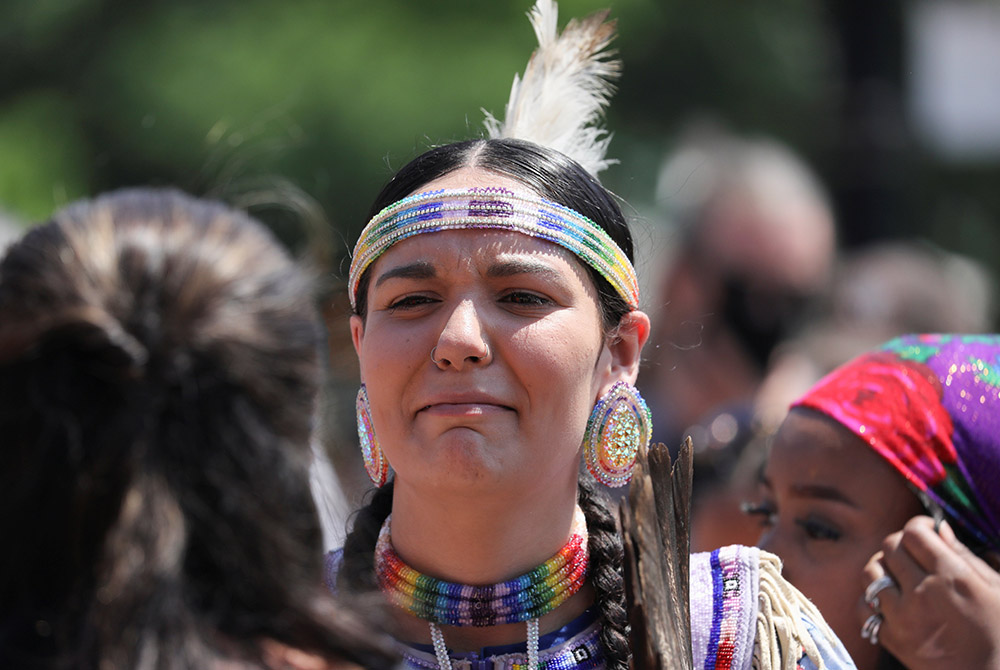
(526, 597)
(494, 208)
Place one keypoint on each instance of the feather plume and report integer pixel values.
(567, 84)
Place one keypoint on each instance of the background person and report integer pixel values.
(905, 430)
(751, 262)
(158, 373)
(878, 292)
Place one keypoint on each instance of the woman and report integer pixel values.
(862, 472)
(488, 357)
(498, 332)
(158, 373)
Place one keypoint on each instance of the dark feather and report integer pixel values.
(655, 528)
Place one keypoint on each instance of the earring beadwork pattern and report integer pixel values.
(375, 463)
(620, 423)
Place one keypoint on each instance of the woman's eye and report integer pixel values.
(409, 301)
(816, 529)
(525, 298)
(765, 512)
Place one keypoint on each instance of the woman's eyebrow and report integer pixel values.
(816, 491)
(415, 270)
(821, 492)
(522, 266)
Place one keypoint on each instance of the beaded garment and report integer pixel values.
(576, 646)
(729, 589)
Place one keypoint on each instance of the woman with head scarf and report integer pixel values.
(881, 498)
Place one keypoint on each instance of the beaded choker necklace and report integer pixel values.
(526, 597)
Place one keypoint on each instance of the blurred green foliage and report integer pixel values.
(44, 153)
(301, 109)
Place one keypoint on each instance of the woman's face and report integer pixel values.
(513, 417)
(827, 502)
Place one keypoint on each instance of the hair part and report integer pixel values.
(544, 171)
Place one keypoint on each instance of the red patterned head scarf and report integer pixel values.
(930, 406)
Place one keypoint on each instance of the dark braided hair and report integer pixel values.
(606, 559)
(357, 571)
(557, 177)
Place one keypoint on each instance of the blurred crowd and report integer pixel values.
(753, 301)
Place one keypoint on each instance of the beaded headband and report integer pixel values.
(494, 208)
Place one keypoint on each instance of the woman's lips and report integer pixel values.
(464, 404)
(464, 409)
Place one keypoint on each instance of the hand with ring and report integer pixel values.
(873, 624)
(872, 590)
(931, 602)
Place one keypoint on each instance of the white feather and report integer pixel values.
(567, 84)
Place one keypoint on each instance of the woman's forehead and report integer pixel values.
(481, 249)
(473, 177)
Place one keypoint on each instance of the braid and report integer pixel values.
(606, 561)
(357, 572)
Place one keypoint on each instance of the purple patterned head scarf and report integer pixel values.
(929, 405)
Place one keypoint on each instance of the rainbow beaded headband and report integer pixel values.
(494, 208)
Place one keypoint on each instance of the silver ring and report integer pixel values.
(871, 627)
(876, 587)
(434, 360)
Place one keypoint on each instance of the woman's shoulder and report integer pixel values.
(724, 585)
(282, 657)
(744, 610)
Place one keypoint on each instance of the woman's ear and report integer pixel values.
(357, 333)
(625, 346)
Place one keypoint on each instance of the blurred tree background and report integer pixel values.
(305, 107)
(300, 110)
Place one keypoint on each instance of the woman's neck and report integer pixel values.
(480, 540)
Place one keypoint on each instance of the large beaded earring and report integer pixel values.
(618, 426)
(371, 452)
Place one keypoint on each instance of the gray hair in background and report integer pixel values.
(10, 230)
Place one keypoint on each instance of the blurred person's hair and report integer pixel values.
(10, 230)
(754, 229)
(904, 286)
(881, 291)
(158, 375)
(710, 164)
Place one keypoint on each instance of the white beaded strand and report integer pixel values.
(440, 649)
(444, 661)
(532, 644)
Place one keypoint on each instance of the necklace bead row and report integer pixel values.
(525, 597)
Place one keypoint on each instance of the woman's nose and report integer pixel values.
(773, 541)
(462, 340)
